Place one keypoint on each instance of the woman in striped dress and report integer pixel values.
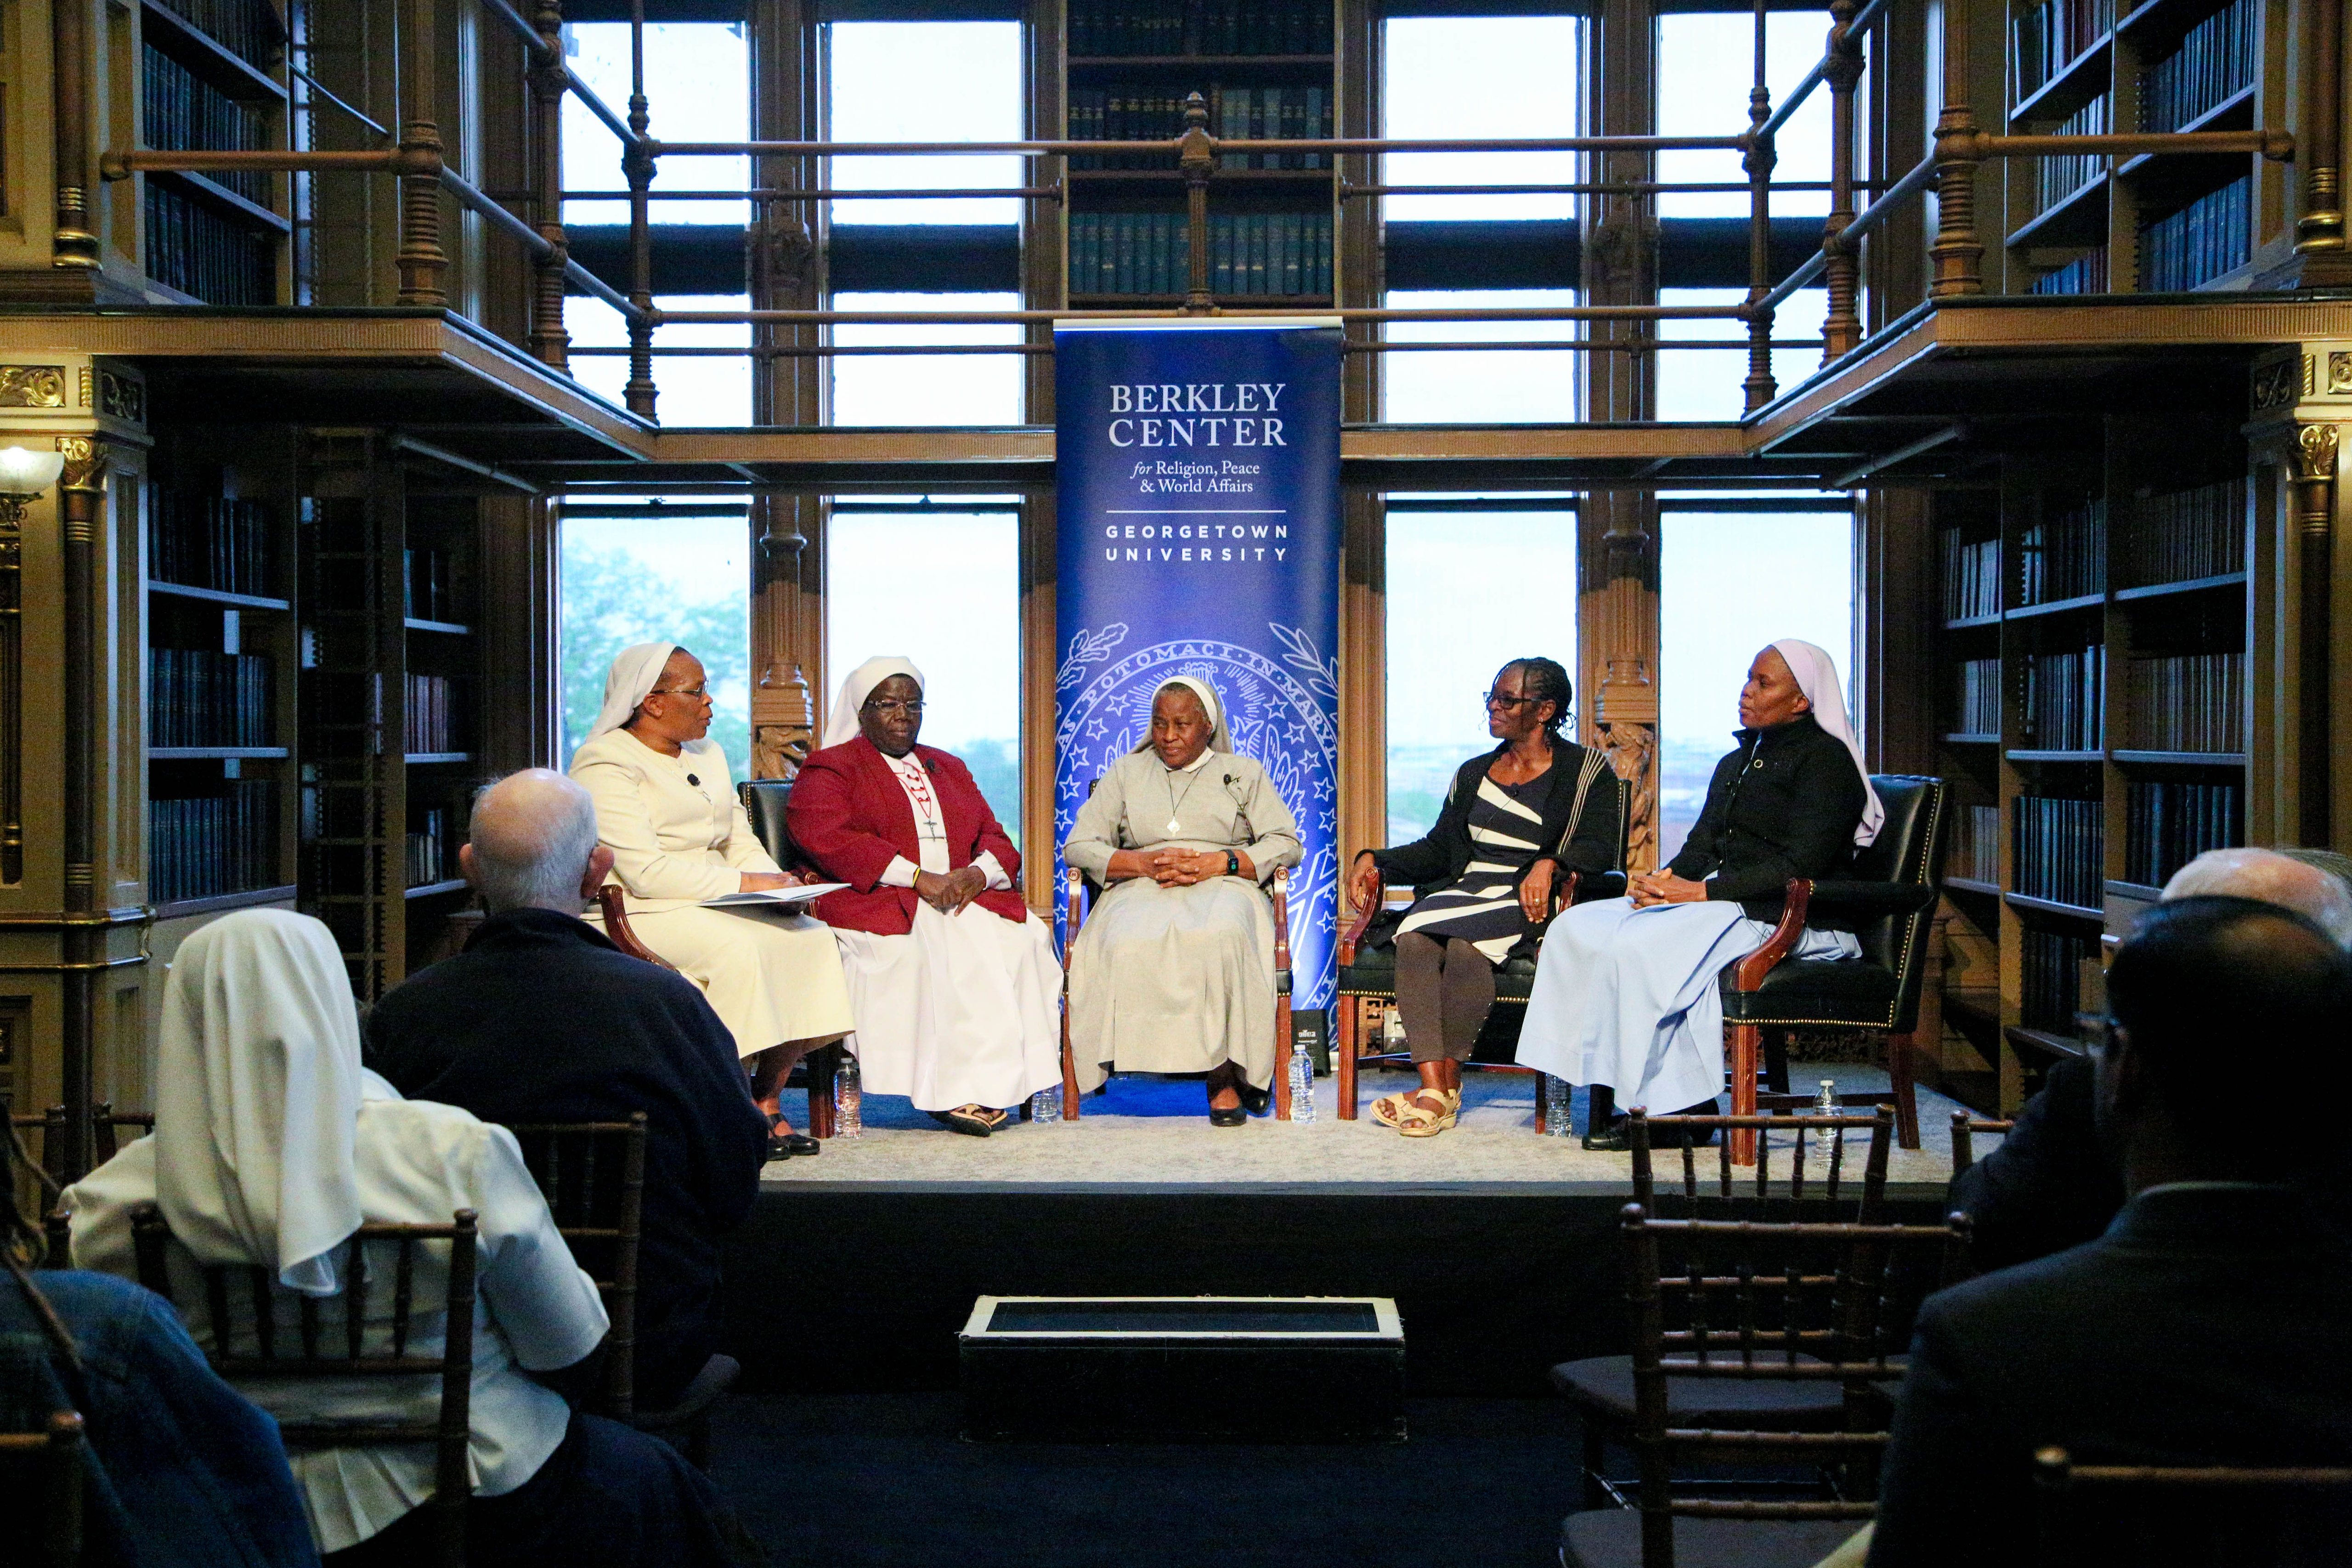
(1514, 820)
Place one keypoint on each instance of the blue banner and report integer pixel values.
(1198, 463)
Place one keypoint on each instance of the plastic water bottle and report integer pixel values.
(1045, 1106)
(848, 1101)
(1302, 1087)
(1825, 1103)
(1560, 1107)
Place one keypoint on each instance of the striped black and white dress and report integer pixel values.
(1481, 906)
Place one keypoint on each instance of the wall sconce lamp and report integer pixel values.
(24, 475)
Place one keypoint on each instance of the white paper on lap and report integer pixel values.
(774, 896)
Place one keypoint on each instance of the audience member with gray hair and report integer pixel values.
(543, 1019)
(2270, 876)
(2046, 1186)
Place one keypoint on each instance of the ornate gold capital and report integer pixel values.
(84, 457)
(2315, 451)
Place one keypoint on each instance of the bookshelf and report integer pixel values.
(2158, 223)
(1264, 72)
(220, 650)
(212, 76)
(391, 675)
(2096, 613)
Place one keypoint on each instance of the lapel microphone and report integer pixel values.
(695, 782)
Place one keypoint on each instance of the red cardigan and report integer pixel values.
(849, 816)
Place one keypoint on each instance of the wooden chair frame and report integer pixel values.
(1346, 1063)
(1966, 1125)
(822, 1063)
(1852, 1351)
(56, 1539)
(315, 1357)
(1074, 911)
(565, 1159)
(2246, 1488)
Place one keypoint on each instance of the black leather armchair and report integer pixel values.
(764, 801)
(1889, 904)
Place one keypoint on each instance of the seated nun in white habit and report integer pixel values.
(1625, 995)
(1174, 968)
(273, 1146)
(667, 808)
(952, 981)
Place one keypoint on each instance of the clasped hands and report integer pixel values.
(1534, 888)
(949, 892)
(1174, 868)
(1663, 887)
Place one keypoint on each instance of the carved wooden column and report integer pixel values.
(71, 242)
(424, 266)
(787, 274)
(1364, 550)
(549, 343)
(1617, 624)
(2315, 535)
(82, 490)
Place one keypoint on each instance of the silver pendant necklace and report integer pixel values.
(1176, 802)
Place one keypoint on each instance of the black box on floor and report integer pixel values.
(1161, 1369)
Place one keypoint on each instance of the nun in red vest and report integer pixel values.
(952, 981)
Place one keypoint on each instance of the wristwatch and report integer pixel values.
(1232, 864)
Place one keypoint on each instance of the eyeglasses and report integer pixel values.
(697, 692)
(1497, 700)
(888, 708)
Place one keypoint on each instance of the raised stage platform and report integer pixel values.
(1499, 1245)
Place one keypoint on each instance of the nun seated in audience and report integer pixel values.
(1625, 997)
(667, 808)
(1515, 818)
(1174, 971)
(272, 1147)
(952, 981)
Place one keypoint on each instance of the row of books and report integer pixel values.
(2085, 274)
(1237, 113)
(191, 247)
(199, 698)
(2051, 966)
(2215, 61)
(2204, 240)
(2063, 555)
(2182, 535)
(1975, 845)
(246, 28)
(2061, 844)
(2046, 40)
(1976, 710)
(175, 109)
(208, 542)
(426, 862)
(425, 594)
(430, 721)
(2061, 177)
(1971, 577)
(201, 846)
(2065, 699)
(2166, 826)
(2187, 702)
(1249, 253)
(1201, 28)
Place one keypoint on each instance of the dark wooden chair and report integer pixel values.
(53, 1537)
(1074, 911)
(106, 1125)
(2201, 1516)
(282, 1335)
(593, 1174)
(49, 1168)
(1889, 904)
(1602, 1388)
(1965, 1127)
(1368, 975)
(1745, 1304)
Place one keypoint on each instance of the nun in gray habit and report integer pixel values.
(1173, 969)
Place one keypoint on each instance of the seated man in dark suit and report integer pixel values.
(541, 1020)
(2048, 1186)
(2208, 1325)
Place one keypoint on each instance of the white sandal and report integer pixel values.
(1417, 1120)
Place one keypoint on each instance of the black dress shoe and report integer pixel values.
(1227, 1116)
(1610, 1139)
(1256, 1100)
(784, 1145)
